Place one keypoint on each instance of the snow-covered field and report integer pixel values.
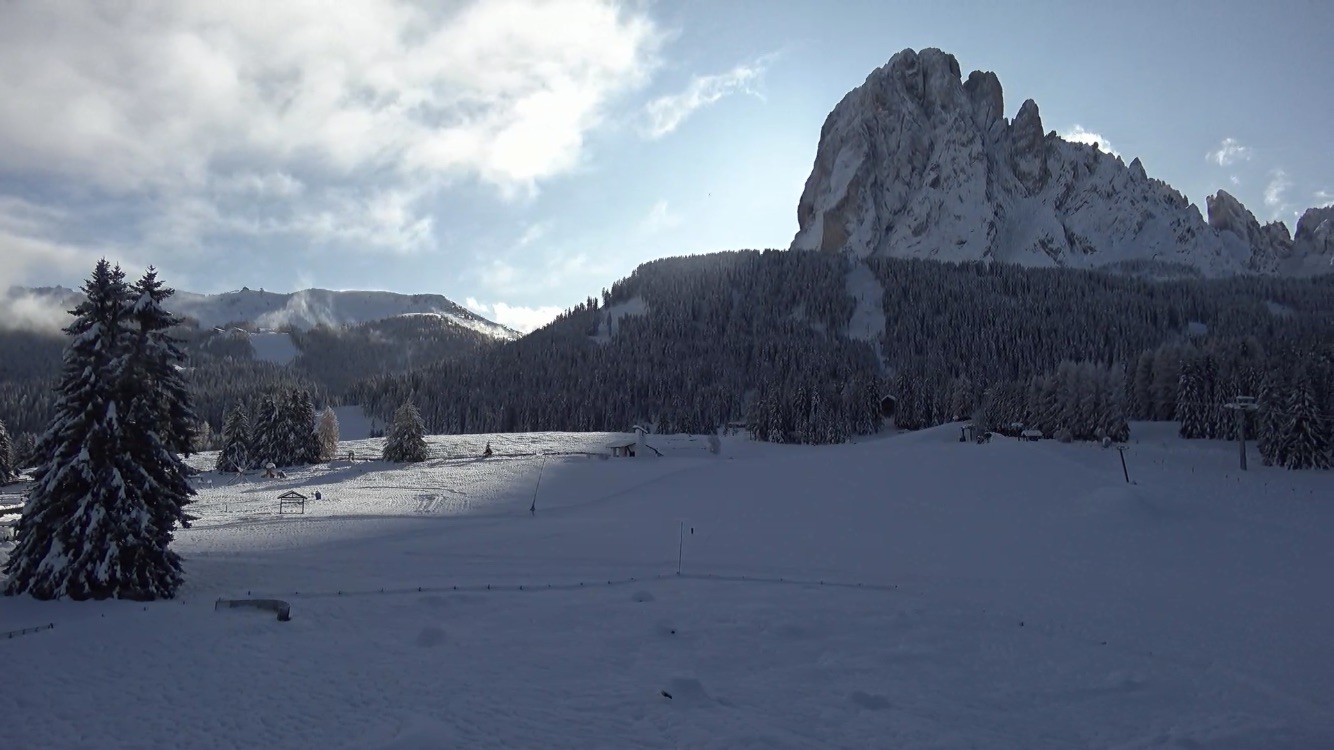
(907, 591)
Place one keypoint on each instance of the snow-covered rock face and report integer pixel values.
(917, 162)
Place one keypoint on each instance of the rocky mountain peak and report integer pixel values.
(919, 162)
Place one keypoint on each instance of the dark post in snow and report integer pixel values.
(532, 509)
(1241, 405)
(1122, 450)
(680, 546)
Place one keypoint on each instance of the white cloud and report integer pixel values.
(1235, 180)
(1324, 197)
(666, 113)
(1276, 191)
(1229, 152)
(660, 218)
(521, 319)
(328, 122)
(533, 233)
(1078, 134)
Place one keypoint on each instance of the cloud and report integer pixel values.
(1078, 134)
(1324, 197)
(533, 233)
(666, 113)
(660, 218)
(521, 319)
(1229, 152)
(1276, 191)
(306, 123)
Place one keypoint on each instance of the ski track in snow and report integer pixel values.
(1014, 595)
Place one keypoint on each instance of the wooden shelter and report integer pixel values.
(292, 501)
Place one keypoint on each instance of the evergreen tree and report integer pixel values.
(8, 466)
(1271, 418)
(405, 442)
(235, 453)
(1303, 446)
(300, 443)
(327, 431)
(88, 529)
(267, 436)
(1190, 402)
(1139, 405)
(159, 424)
(25, 451)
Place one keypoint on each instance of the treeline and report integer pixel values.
(221, 370)
(689, 344)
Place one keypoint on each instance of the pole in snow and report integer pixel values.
(1122, 450)
(1241, 405)
(680, 546)
(532, 509)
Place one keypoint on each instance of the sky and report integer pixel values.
(519, 156)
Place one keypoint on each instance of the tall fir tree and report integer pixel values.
(405, 442)
(90, 528)
(1272, 407)
(1191, 409)
(25, 451)
(1303, 444)
(160, 425)
(8, 466)
(266, 439)
(235, 453)
(302, 443)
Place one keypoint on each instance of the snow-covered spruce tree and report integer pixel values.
(1270, 417)
(327, 432)
(405, 442)
(301, 445)
(1191, 409)
(266, 437)
(87, 530)
(159, 424)
(8, 466)
(1303, 443)
(235, 453)
(25, 451)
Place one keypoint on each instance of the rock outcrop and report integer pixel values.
(919, 163)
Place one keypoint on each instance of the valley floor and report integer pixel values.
(906, 591)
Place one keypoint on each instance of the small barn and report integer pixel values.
(292, 501)
(1031, 435)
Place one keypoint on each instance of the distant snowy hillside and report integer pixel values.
(302, 310)
(919, 163)
(311, 307)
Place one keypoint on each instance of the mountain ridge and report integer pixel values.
(303, 309)
(918, 162)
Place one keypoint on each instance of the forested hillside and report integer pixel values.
(221, 368)
(692, 343)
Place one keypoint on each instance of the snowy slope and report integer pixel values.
(304, 309)
(908, 591)
(311, 307)
(272, 346)
(920, 163)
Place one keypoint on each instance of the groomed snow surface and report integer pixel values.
(1012, 595)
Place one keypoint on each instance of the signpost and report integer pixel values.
(1242, 405)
